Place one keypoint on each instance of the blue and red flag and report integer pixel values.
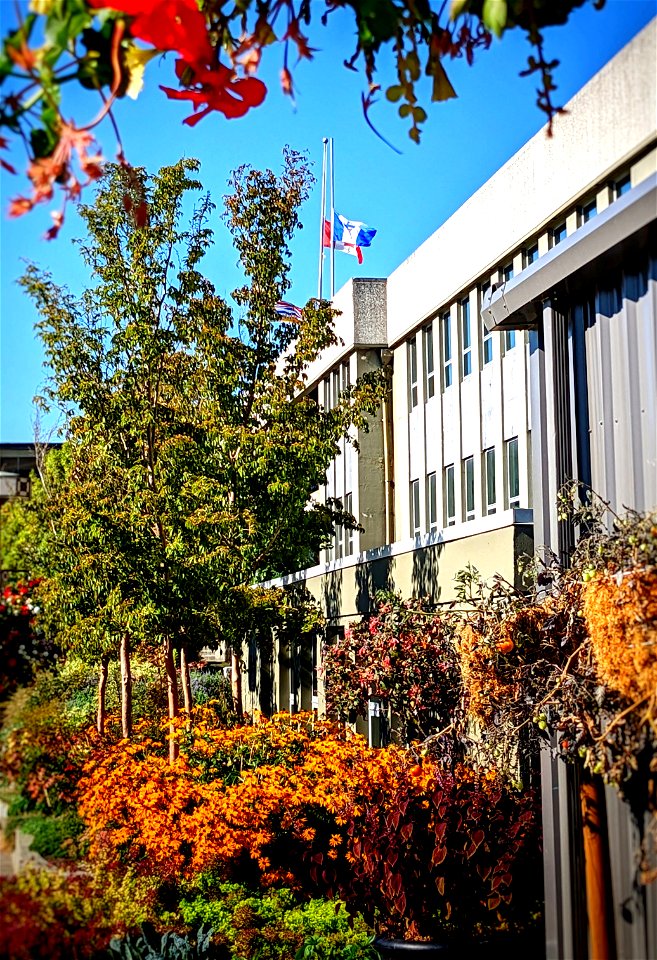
(348, 235)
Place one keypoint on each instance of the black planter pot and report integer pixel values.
(413, 949)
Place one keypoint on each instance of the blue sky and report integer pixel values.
(405, 196)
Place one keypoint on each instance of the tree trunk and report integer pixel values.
(186, 683)
(126, 687)
(102, 687)
(236, 683)
(172, 697)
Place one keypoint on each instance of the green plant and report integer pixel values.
(277, 925)
(54, 837)
(151, 945)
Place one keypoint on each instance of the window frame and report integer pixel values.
(428, 360)
(432, 502)
(469, 500)
(557, 235)
(447, 350)
(449, 495)
(466, 337)
(490, 480)
(512, 462)
(414, 509)
(411, 356)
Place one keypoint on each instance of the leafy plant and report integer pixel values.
(404, 656)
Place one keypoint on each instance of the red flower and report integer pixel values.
(219, 89)
(167, 25)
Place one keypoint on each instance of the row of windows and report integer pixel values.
(343, 537)
(468, 499)
(556, 235)
(335, 384)
(448, 359)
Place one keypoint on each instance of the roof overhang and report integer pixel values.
(517, 303)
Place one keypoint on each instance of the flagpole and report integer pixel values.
(332, 221)
(322, 215)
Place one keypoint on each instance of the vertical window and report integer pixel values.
(468, 489)
(509, 339)
(412, 372)
(450, 505)
(348, 532)
(507, 272)
(531, 254)
(589, 210)
(344, 376)
(335, 387)
(559, 233)
(489, 480)
(415, 508)
(622, 186)
(432, 503)
(466, 337)
(512, 473)
(427, 352)
(447, 350)
(486, 344)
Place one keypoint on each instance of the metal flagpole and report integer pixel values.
(332, 221)
(322, 215)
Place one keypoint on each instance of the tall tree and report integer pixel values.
(193, 449)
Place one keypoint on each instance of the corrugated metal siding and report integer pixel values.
(621, 360)
(613, 338)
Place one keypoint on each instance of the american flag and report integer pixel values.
(286, 309)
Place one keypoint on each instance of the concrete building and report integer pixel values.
(521, 345)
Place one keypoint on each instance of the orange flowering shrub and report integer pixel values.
(621, 615)
(300, 802)
(232, 794)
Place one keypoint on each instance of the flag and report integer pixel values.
(286, 309)
(348, 235)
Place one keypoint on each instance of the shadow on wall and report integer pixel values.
(370, 579)
(332, 595)
(424, 575)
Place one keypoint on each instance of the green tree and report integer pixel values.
(193, 449)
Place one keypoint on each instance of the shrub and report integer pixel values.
(58, 914)
(275, 926)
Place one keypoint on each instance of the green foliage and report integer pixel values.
(55, 838)
(190, 454)
(45, 736)
(274, 925)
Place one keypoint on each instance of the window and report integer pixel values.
(507, 272)
(447, 350)
(348, 532)
(489, 480)
(412, 372)
(589, 210)
(468, 489)
(531, 254)
(427, 353)
(450, 506)
(509, 339)
(486, 344)
(344, 376)
(622, 186)
(335, 386)
(466, 338)
(415, 508)
(512, 474)
(432, 503)
(559, 233)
